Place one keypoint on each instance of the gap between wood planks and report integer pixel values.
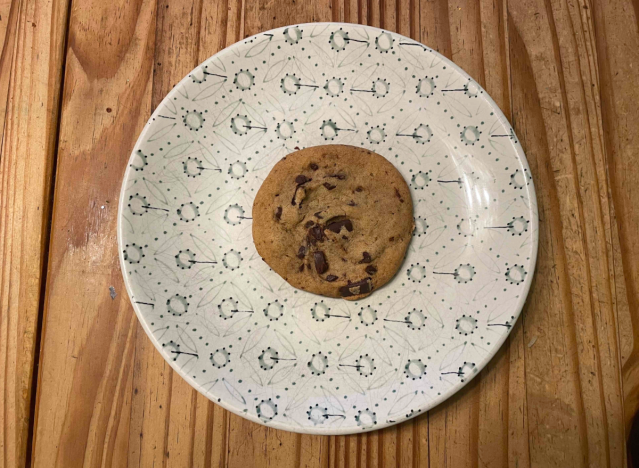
(39, 331)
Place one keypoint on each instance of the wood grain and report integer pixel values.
(560, 392)
(84, 404)
(164, 406)
(566, 156)
(616, 41)
(33, 33)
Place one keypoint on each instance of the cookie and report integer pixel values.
(334, 220)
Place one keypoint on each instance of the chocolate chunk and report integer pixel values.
(351, 203)
(320, 262)
(301, 267)
(331, 278)
(302, 179)
(301, 252)
(371, 270)
(308, 224)
(366, 258)
(359, 287)
(391, 239)
(329, 186)
(344, 237)
(359, 189)
(318, 216)
(317, 234)
(278, 213)
(398, 195)
(337, 176)
(336, 225)
(314, 166)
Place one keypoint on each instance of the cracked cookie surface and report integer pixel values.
(334, 220)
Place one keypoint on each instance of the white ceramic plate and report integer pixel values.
(239, 333)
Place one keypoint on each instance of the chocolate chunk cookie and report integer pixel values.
(334, 220)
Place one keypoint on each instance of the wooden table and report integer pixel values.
(81, 383)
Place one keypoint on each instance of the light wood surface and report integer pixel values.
(82, 386)
(31, 67)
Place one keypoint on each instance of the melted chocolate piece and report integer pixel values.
(359, 189)
(320, 262)
(301, 267)
(366, 258)
(391, 239)
(359, 287)
(301, 253)
(314, 166)
(371, 270)
(309, 224)
(317, 215)
(315, 234)
(278, 213)
(331, 278)
(336, 226)
(329, 186)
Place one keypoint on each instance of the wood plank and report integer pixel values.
(552, 437)
(180, 426)
(221, 24)
(499, 426)
(314, 451)
(9, 12)
(472, 427)
(572, 370)
(517, 404)
(394, 446)
(434, 25)
(164, 409)
(576, 46)
(32, 35)
(453, 426)
(616, 40)
(89, 337)
(251, 444)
